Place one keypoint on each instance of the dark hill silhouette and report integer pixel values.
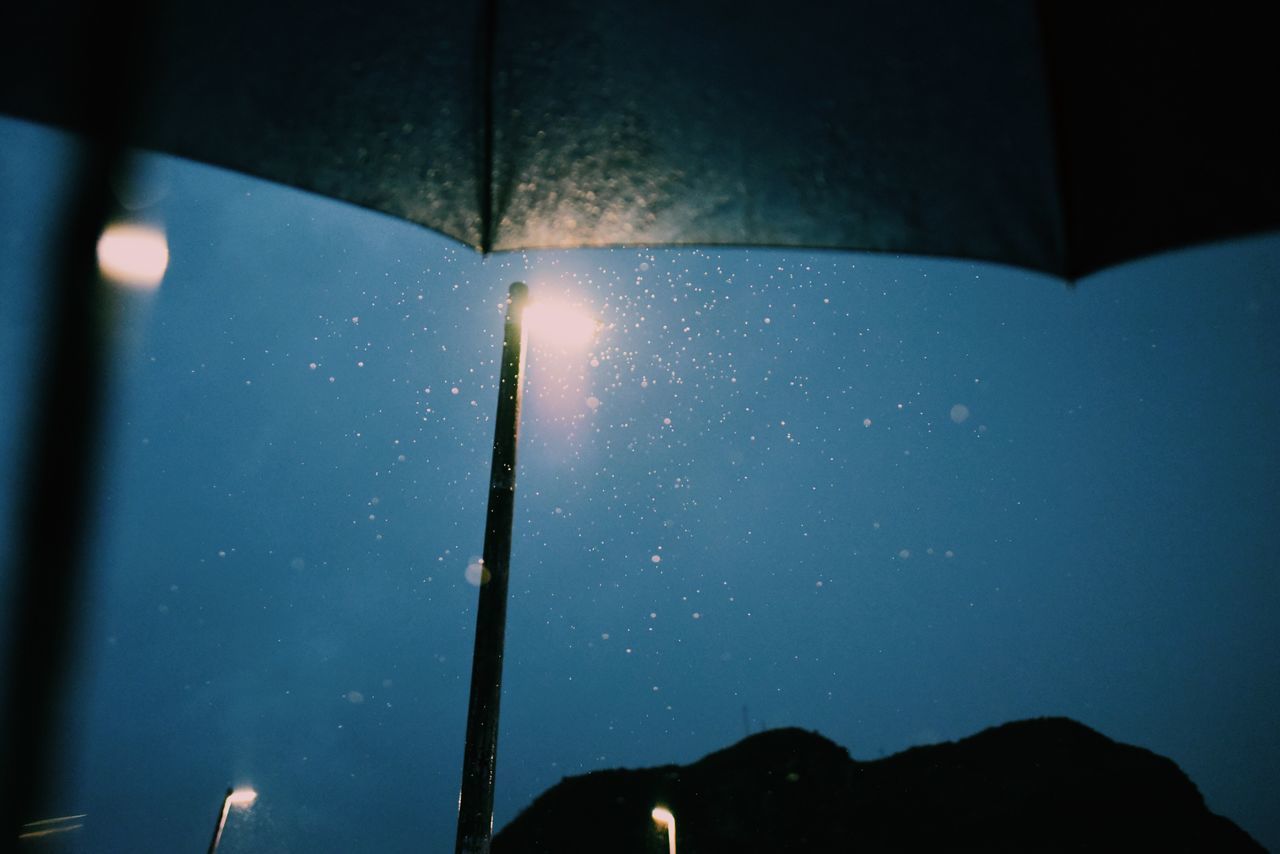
(1049, 784)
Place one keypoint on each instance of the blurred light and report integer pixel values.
(132, 255)
(242, 797)
(560, 324)
(475, 573)
(663, 816)
(51, 826)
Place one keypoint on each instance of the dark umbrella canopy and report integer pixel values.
(1062, 137)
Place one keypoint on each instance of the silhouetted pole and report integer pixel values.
(480, 757)
(222, 821)
(242, 798)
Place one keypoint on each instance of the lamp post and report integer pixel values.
(664, 817)
(241, 798)
(480, 756)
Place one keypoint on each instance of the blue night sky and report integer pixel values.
(890, 499)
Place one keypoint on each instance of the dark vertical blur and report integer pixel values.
(100, 79)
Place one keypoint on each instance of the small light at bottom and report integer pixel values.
(242, 797)
(664, 817)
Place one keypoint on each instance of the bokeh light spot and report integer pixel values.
(133, 256)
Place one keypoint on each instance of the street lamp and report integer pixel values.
(480, 756)
(663, 816)
(242, 798)
(560, 324)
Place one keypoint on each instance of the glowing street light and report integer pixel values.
(663, 816)
(241, 798)
(559, 324)
(563, 328)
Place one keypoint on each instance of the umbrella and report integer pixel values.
(1118, 132)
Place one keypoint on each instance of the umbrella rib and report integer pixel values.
(488, 37)
(1061, 160)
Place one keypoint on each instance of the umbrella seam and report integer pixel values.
(488, 36)
(1061, 166)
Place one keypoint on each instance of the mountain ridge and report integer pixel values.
(1042, 784)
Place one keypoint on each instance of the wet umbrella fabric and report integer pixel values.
(1061, 137)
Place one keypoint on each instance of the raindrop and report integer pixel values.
(475, 573)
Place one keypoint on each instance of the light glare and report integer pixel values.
(132, 255)
(242, 797)
(560, 324)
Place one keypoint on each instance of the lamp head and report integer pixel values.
(242, 797)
